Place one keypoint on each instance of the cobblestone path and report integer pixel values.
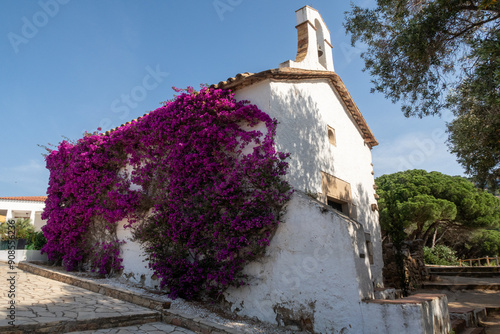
(34, 304)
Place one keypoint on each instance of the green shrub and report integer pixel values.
(36, 241)
(486, 243)
(440, 255)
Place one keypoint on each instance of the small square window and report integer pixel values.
(335, 204)
(331, 136)
(338, 205)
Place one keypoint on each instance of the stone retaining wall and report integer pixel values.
(415, 269)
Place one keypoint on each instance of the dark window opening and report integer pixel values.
(336, 205)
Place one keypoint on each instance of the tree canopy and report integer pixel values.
(474, 136)
(439, 54)
(417, 203)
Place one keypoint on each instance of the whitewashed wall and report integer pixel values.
(426, 314)
(135, 264)
(312, 277)
(304, 109)
(312, 272)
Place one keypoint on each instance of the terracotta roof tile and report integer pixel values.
(26, 198)
(132, 121)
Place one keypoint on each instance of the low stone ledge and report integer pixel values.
(414, 299)
(173, 317)
(419, 313)
(82, 325)
(195, 323)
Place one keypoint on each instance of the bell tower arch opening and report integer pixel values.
(321, 43)
(314, 50)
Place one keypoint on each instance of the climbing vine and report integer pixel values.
(85, 189)
(200, 185)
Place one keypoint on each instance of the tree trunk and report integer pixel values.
(434, 238)
(417, 234)
(431, 228)
(442, 235)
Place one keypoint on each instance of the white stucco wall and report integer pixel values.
(135, 264)
(312, 272)
(313, 277)
(426, 314)
(304, 110)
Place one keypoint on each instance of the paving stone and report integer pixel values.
(87, 315)
(50, 306)
(46, 314)
(44, 320)
(25, 322)
(70, 314)
(151, 328)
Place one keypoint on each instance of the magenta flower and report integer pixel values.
(213, 208)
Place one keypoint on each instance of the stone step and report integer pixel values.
(95, 323)
(152, 327)
(467, 320)
(456, 269)
(477, 274)
(492, 322)
(458, 325)
(493, 311)
(471, 316)
(460, 286)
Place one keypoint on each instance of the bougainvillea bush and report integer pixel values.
(209, 190)
(86, 195)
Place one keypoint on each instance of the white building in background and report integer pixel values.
(23, 207)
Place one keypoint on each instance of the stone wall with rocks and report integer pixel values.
(415, 269)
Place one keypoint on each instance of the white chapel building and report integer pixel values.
(320, 125)
(324, 264)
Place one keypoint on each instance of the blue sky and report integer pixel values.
(69, 66)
